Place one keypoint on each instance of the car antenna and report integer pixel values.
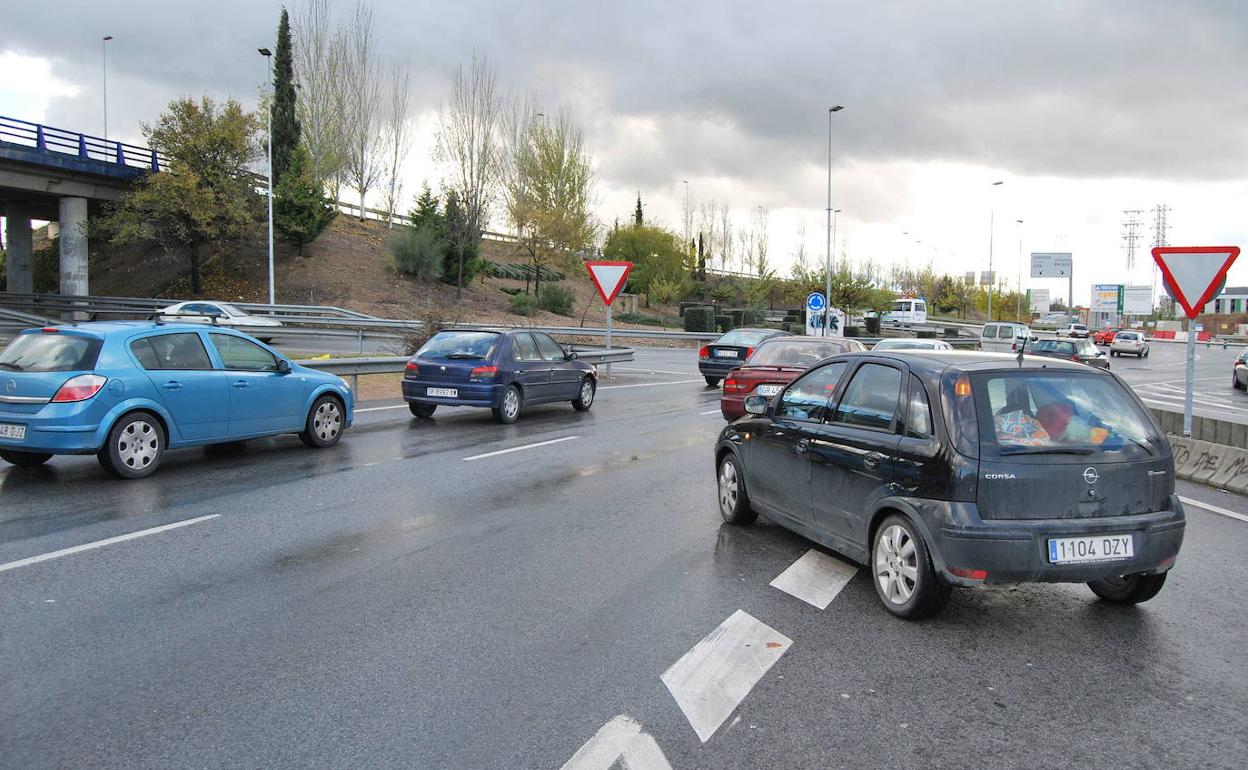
(1023, 349)
(156, 318)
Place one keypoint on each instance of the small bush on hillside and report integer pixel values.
(431, 322)
(557, 299)
(416, 251)
(523, 304)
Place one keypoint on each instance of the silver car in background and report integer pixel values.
(222, 314)
(1131, 342)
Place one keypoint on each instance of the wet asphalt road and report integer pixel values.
(389, 603)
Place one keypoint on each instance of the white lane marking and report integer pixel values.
(816, 578)
(648, 384)
(712, 411)
(520, 448)
(652, 371)
(380, 408)
(712, 679)
(101, 543)
(619, 739)
(1214, 508)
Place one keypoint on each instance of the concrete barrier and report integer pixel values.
(1207, 462)
(1234, 434)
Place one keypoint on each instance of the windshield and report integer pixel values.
(801, 353)
(741, 338)
(901, 306)
(1053, 346)
(50, 352)
(459, 345)
(233, 310)
(1061, 412)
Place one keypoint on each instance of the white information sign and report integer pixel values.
(1039, 300)
(1137, 300)
(1051, 264)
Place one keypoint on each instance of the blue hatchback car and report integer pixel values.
(501, 370)
(126, 391)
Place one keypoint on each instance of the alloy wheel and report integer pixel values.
(896, 564)
(728, 488)
(511, 404)
(138, 444)
(327, 421)
(587, 392)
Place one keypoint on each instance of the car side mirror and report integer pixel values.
(283, 366)
(756, 405)
(570, 356)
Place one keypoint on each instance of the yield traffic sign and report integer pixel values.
(609, 278)
(1194, 274)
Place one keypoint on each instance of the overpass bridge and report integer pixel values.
(60, 176)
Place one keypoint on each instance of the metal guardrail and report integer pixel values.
(355, 367)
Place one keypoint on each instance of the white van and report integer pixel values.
(1004, 337)
(907, 310)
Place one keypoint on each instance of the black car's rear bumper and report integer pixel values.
(1017, 551)
(718, 368)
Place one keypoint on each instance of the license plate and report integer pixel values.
(1073, 550)
(726, 353)
(442, 392)
(12, 432)
(769, 390)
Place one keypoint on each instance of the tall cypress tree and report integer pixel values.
(285, 123)
(638, 219)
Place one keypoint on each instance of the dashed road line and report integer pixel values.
(520, 448)
(1214, 508)
(712, 411)
(712, 679)
(101, 543)
(816, 578)
(652, 371)
(620, 739)
(648, 384)
(380, 408)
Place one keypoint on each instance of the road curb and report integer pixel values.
(1205, 462)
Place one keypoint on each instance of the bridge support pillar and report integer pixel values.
(19, 256)
(73, 241)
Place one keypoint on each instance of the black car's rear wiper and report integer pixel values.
(464, 355)
(11, 366)
(1049, 450)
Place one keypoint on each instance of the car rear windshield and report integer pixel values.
(801, 353)
(1053, 346)
(466, 345)
(49, 352)
(741, 338)
(1038, 412)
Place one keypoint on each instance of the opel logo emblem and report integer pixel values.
(444, 368)
(10, 386)
(1091, 476)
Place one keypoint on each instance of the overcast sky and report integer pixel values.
(1082, 108)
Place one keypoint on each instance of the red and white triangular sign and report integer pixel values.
(609, 277)
(1194, 273)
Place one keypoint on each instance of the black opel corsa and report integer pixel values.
(947, 468)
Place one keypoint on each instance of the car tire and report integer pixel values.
(423, 411)
(585, 395)
(902, 572)
(134, 447)
(1145, 354)
(1128, 589)
(24, 459)
(734, 503)
(711, 381)
(323, 426)
(509, 404)
(1235, 383)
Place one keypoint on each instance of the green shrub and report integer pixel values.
(510, 290)
(852, 331)
(752, 317)
(640, 318)
(699, 319)
(557, 299)
(523, 304)
(416, 252)
(723, 323)
(724, 292)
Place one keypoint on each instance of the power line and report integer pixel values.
(1131, 224)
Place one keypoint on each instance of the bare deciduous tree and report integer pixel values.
(397, 133)
(725, 246)
(318, 54)
(801, 265)
(362, 83)
(761, 266)
(469, 142)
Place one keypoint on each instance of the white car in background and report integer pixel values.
(1076, 331)
(911, 343)
(1128, 341)
(222, 314)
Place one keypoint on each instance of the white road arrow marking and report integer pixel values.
(816, 578)
(619, 739)
(712, 679)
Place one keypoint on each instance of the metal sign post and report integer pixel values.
(1193, 275)
(609, 278)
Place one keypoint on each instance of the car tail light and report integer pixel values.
(705, 352)
(412, 368)
(970, 574)
(960, 413)
(79, 388)
(749, 352)
(732, 385)
(49, 330)
(962, 386)
(482, 373)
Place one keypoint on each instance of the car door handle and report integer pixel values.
(801, 446)
(172, 385)
(242, 384)
(873, 459)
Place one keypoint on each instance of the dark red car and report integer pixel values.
(775, 363)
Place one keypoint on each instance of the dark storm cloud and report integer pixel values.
(1149, 89)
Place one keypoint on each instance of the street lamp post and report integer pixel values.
(104, 71)
(992, 213)
(827, 297)
(1018, 311)
(834, 213)
(687, 216)
(268, 55)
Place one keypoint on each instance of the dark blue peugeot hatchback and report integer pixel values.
(502, 370)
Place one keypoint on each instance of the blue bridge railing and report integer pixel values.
(46, 139)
